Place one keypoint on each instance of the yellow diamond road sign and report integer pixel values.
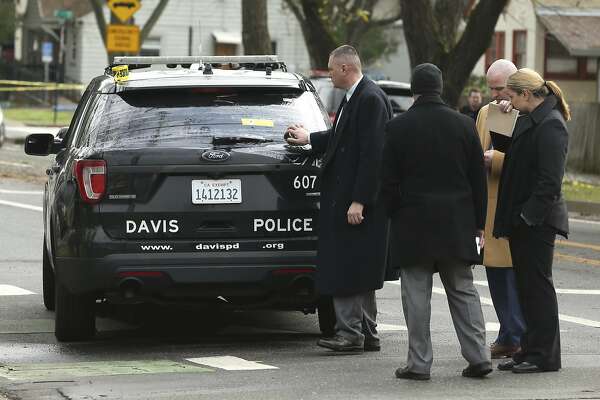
(124, 9)
(122, 38)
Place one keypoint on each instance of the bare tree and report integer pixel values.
(431, 29)
(97, 6)
(326, 24)
(255, 29)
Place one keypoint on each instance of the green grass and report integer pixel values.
(579, 191)
(38, 116)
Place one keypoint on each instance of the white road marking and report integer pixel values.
(584, 221)
(580, 321)
(390, 328)
(21, 205)
(560, 291)
(9, 290)
(488, 301)
(230, 363)
(12, 164)
(6, 191)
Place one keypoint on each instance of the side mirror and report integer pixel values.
(39, 144)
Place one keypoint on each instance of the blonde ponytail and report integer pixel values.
(528, 79)
(564, 108)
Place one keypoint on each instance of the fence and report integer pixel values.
(584, 141)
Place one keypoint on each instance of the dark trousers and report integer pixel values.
(503, 290)
(532, 250)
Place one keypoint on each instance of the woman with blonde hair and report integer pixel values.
(531, 211)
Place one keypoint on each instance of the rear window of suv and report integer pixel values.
(194, 117)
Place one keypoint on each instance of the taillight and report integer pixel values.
(91, 179)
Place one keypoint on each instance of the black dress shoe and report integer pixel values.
(339, 343)
(477, 371)
(526, 368)
(404, 373)
(507, 365)
(372, 345)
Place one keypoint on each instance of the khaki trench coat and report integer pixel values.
(497, 253)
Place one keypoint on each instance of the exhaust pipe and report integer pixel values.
(130, 287)
(303, 286)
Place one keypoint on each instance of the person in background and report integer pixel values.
(532, 211)
(434, 187)
(473, 103)
(496, 255)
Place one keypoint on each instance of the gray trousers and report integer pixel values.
(465, 309)
(355, 317)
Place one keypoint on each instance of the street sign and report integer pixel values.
(124, 9)
(63, 14)
(122, 38)
(47, 52)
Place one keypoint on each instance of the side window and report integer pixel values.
(79, 111)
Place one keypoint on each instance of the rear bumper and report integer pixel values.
(285, 278)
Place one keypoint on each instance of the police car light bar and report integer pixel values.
(145, 60)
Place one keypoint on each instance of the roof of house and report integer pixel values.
(574, 27)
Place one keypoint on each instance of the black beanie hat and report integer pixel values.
(426, 79)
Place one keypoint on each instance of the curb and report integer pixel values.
(583, 207)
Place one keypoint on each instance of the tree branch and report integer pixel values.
(152, 20)
(99, 14)
(296, 11)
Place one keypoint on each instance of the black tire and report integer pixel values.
(326, 316)
(48, 280)
(75, 317)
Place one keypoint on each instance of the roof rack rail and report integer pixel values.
(262, 62)
(196, 60)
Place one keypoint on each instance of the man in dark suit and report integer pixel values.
(352, 247)
(434, 184)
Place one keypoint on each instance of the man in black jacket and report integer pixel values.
(352, 247)
(434, 184)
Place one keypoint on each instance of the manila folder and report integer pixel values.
(501, 122)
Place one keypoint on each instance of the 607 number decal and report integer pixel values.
(305, 182)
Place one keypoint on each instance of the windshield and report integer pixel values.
(199, 117)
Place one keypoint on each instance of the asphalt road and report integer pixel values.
(174, 353)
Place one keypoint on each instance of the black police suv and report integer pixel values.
(173, 184)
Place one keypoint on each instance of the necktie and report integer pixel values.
(338, 116)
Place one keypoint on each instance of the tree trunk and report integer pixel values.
(255, 29)
(431, 37)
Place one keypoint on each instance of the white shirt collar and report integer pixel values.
(350, 91)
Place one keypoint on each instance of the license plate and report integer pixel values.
(225, 191)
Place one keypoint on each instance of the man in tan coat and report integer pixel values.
(497, 259)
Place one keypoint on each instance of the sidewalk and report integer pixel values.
(17, 131)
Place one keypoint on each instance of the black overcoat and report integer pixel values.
(351, 259)
(434, 185)
(534, 165)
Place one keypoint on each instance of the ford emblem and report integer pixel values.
(215, 155)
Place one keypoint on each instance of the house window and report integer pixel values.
(559, 64)
(519, 48)
(496, 49)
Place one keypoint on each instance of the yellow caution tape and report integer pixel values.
(121, 73)
(257, 122)
(64, 86)
(23, 83)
